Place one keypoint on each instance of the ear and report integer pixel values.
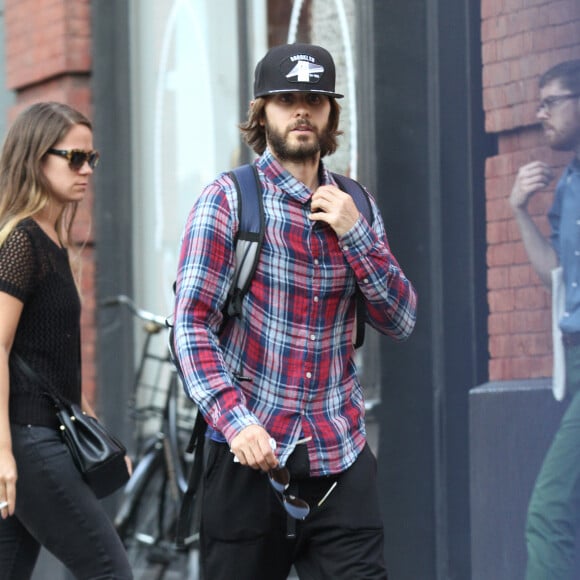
(262, 118)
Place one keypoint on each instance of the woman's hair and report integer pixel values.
(567, 72)
(24, 188)
(254, 130)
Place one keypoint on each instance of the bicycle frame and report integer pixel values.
(149, 506)
(163, 446)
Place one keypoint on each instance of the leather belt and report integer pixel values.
(571, 338)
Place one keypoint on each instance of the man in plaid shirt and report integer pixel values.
(288, 477)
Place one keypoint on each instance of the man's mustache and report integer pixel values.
(304, 124)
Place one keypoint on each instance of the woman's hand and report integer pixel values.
(129, 464)
(8, 477)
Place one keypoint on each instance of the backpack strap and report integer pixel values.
(250, 236)
(363, 203)
(187, 527)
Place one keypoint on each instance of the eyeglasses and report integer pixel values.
(549, 103)
(280, 480)
(77, 157)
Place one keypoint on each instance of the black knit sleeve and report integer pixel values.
(18, 264)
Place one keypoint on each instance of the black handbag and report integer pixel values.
(98, 455)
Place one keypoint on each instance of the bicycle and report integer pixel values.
(149, 507)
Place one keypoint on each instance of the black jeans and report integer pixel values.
(56, 509)
(244, 529)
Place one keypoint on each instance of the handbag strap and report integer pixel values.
(37, 379)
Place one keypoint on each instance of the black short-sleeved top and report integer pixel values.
(37, 271)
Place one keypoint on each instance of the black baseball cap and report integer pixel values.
(295, 68)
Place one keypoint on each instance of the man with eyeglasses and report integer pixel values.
(289, 477)
(554, 508)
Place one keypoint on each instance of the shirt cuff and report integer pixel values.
(359, 239)
(235, 420)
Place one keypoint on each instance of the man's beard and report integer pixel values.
(564, 140)
(283, 150)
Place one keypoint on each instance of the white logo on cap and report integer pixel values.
(303, 71)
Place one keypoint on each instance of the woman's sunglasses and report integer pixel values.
(77, 157)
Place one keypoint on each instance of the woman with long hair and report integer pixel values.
(45, 167)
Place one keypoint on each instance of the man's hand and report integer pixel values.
(333, 206)
(252, 448)
(531, 178)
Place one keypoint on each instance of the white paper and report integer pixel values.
(558, 305)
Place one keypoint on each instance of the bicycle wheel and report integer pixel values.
(149, 532)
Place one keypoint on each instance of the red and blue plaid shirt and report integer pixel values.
(294, 337)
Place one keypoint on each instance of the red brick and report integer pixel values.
(489, 52)
(498, 208)
(523, 345)
(513, 5)
(61, 40)
(501, 300)
(497, 166)
(499, 323)
(497, 73)
(521, 275)
(501, 254)
(532, 367)
(563, 11)
(503, 369)
(498, 278)
(523, 321)
(499, 188)
(493, 28)
(498, 232)
(531, 298)
(510, 47)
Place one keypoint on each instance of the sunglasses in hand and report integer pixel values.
(295, 507)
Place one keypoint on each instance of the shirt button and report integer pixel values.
(316, 262)
(316, 299)
(577, 253)
(345, 247)
(566, 314)
(578, 222)
(366, 281)
(312, 337)
(574, 284)
(309, 375)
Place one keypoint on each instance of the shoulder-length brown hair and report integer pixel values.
(254, 131)
(24, 188)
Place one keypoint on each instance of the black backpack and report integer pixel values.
(248, 243)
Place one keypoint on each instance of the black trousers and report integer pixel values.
(247, 535)
(56, 509)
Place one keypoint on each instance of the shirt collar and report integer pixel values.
(283, 179)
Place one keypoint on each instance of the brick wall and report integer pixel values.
(520, 40)
(48, 57)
